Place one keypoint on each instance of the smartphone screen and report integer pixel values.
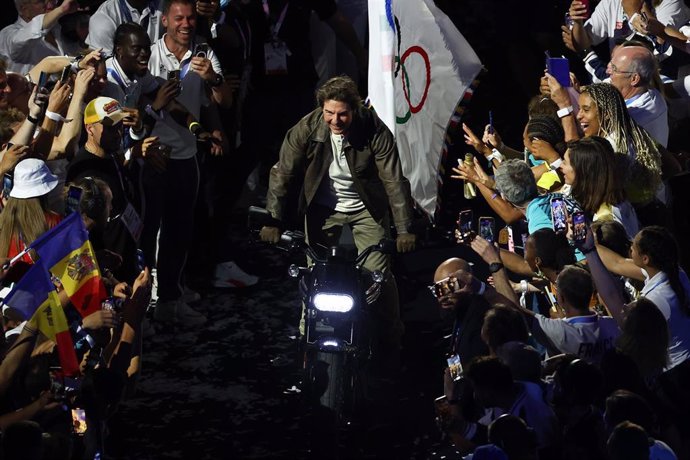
(7, 183)
(486, 228)
(66, 72)
(579, 226)
(559, 215)
(465, 221)
(72, 199)
(79, 421)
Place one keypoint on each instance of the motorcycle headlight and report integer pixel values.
(341, 303)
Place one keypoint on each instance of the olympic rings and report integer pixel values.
(406, 81)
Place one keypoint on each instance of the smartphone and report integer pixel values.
(579, 226)
(464, 222)
(41, 87)
(66, 72)
(559, 68)
(141, 261)
(174, 75)
(491, 122)
(7, 184)
(201, 50)
(445, 286)
(73, 199)
(454, 367)
(486, 228)
(586, 3)
(165, 150)
(79, 421)
(569, 23)
(559, 215)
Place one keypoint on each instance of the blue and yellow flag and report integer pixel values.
(34, 297)
(67, 253)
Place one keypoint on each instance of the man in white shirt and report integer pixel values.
(146, 13)
(171, 196)
(112, 13)
(631, 71)
(612, 19)
(35, 35)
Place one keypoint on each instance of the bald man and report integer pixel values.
(632, 70)
(469, 314)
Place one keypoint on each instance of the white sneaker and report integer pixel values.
(178, 312)
(190, 296)
(230, 275)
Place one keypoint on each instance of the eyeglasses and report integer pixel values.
(614, 69)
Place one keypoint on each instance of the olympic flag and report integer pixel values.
(420, 66)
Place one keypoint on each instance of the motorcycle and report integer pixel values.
(339, 297)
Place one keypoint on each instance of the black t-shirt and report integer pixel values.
(294, 31)
(469, 319)
(115, 236)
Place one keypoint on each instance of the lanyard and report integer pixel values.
(275, 28)
(120, 82)
(246, 39)
(127, 15)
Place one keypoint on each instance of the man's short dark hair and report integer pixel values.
(489, 373)
(124, 30)
(341, 89)
(168, 3)
(503, 324)
(575, 285)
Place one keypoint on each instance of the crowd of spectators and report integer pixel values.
(134, 113)
(586, 318)
(576, 347)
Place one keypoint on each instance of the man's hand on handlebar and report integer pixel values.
(270, 234)
(405, 242)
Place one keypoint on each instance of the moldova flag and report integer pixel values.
(67, 253)
(34, 297)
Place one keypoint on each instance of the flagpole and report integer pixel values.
(7, 265)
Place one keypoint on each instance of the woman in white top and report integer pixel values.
(654, 260)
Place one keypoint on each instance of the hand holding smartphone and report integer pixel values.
(463, 230)
(579, 227)
(41, 89)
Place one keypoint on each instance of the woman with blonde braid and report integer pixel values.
(603, 113)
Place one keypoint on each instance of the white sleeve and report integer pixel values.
(553, 328)
(672, 13)
(19, 42)
(101, 32)
(215, 62)
(597, 26)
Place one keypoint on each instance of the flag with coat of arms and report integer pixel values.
(35, 299)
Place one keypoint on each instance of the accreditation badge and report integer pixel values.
(276, 53)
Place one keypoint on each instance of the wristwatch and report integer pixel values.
(494, 267)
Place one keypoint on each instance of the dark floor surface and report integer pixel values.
(217, 391)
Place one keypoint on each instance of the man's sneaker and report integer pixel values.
(190, 296)
(178, 312)
(230, 275)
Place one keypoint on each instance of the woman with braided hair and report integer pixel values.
(603, 113)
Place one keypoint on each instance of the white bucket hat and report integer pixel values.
(32, 178)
